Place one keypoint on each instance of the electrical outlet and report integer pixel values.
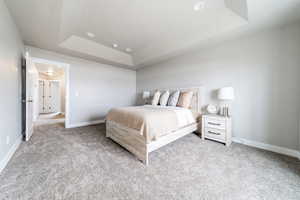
(7, 140)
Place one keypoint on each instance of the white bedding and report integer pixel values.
(152, 122)
(184, 116)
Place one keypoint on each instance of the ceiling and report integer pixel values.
(50, 71)
(155, 30)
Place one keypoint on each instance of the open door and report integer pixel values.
(27, 99)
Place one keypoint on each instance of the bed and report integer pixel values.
(144, 129)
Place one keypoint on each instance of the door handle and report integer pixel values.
(30, 101)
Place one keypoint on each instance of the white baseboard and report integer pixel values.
(10, 153)
(269, 147)
(85, 123)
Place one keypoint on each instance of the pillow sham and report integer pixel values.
(173, 99)
(164, 98)
(155, 98)
(185, 99)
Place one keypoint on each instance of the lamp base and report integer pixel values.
(224, 111)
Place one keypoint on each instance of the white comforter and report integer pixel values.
(152, 122)
(184, 116)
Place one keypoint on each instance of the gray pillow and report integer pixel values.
(173, 99)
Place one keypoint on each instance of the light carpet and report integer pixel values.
(81, 163)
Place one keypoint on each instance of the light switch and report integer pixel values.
(77, 94)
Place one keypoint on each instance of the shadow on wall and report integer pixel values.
(214, 95)
(139, 99)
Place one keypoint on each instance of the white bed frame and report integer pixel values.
(136, 143)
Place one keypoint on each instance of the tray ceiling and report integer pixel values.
(154, 30)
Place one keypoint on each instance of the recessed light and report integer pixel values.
(128, 50)
(199, 5)
(91, 35)
(115, 45)
(49, 73)
(27, 54)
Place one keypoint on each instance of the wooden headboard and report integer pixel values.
(197, 100)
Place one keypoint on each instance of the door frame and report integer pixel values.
(66, 68)
(24, 96)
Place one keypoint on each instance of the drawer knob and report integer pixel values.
(215, 124)
(211, 132)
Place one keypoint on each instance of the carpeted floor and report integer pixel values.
(51, 118)
(83, 164)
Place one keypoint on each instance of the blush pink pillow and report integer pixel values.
(185, 99)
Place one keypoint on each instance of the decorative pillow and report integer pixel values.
(185, 99)
(173, 99)
(164, 98)
(155, 99)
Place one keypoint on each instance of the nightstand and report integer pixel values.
(217, 128)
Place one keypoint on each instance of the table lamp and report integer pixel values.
(226, 95)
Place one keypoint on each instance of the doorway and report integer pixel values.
(45, 91)
(52, 87)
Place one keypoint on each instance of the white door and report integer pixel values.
(42, 108)
(49, 96)
(54, 97)
(30, 86)
(47, 107)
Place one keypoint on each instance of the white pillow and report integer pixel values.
(164, 98)
(155, 99)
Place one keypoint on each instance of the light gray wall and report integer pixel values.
(100, 87)
(264, 69)
(11, 49)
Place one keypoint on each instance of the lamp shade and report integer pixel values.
(226, 93)
(146, 94)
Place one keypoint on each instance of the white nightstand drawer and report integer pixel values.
(216, 134)
(215, 123)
